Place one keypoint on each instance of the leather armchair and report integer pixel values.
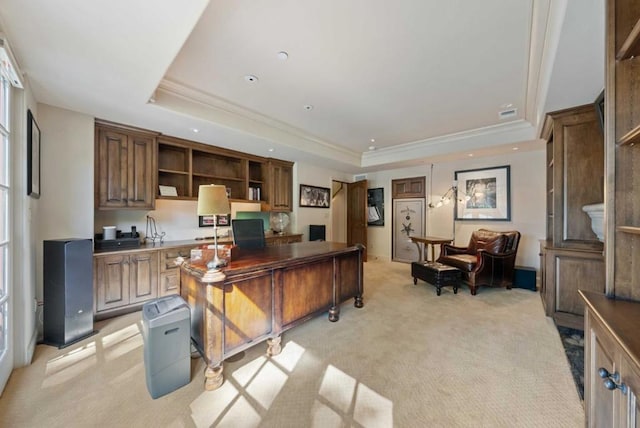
(489, 259)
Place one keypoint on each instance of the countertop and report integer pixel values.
(183, 243)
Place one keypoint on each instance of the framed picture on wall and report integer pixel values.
(483, 194)
(207, 220)
(33, 156)
(314, 197)
(375, 207)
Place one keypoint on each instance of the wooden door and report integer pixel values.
(144, 276)
(357, 215)
(112, 281)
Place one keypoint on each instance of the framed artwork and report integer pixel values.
(483, 194)
(33, 156)
(375, 207)
(314, 197)
(207, 220)
(408, 220)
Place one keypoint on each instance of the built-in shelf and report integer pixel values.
(630, 138)
(631, 46)
(170, 171)
(629, 229)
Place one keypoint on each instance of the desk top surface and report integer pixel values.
(430, 239)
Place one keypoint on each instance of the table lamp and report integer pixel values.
(212, 200)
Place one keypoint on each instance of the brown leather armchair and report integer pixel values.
(489, 258)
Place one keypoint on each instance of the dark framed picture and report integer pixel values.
(314, 197)
(375, 207)
(484, 194)
(33, 156)
(207, 220)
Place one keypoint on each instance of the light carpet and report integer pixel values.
(407, 359)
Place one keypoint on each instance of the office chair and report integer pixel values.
(248, 233)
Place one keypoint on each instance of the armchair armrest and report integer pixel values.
(495, 268)
(448, 249)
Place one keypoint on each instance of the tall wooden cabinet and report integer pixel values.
(280, 190)
(612, 347)
(571, 255)
(125, 167)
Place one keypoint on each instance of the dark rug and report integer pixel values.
(573, 342)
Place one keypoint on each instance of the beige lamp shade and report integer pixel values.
(212, 199)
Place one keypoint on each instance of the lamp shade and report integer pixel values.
(212, 199)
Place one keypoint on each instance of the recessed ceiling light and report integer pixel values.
(516, 148)
(372, 147)
(373, 140)
(196, 130)
(251, 78)
(271, 149)
(282, 55)
(470, 155)
(308, 107)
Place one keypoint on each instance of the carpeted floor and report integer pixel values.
(407, 359)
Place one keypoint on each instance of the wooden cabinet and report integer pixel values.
(408, 188)
(612, 362)
(125, 279)
(622, 121)
(170, 271)
(563, 273)
(185, 165)
(272, 240)
(280, 191)
(125, 167)
(572, 254)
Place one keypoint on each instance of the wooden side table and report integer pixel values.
(422, 242)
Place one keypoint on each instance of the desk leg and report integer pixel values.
(213, 377)
(334, 313)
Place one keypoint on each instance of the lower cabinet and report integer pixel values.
(563, 272)
(125, 279)
(170, 270)
(612, 366)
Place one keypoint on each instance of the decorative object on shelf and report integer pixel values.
(168, 191)
(208, 220)
(596, 213)
(279, 222)
(213, 201)
(151, 233)
(375, 207)
(33, 156)
(486, 194)
(314, 197)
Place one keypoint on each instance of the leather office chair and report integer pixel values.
(489, 258)
(248, 233)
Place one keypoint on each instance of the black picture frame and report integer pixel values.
(315, 197)
(483, 194)
(33, 157)
(207, 220)
(375, 207)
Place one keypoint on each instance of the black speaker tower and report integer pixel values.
(68, 291)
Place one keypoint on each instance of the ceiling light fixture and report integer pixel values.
(372, 147)
(282, 55)
(271, 149)
(251, 78)
(470, 155)
(516, 148)
(196, 130)
(308, 107)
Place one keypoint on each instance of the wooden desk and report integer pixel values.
(262, 293)
(428, 240)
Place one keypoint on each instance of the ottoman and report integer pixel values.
(436, 274)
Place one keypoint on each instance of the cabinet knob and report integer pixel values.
(611, 380)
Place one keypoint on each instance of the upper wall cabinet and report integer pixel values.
(186, 165)
(125, 167)
(575, 175)
(280, 185)
(408, 188)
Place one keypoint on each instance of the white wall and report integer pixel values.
(527, 203)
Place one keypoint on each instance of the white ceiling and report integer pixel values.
(425, 78)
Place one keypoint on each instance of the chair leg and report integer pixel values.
(473, 289)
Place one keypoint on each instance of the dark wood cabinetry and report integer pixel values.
(125, 167)
(572, 254)
(186, 165)
(408, 188)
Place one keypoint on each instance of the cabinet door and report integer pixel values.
(281, 198)
(630, 375)
(144, 276)
(112, 277)
(170, 271)
(599, 401)
(111, 168)
(141, 169)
